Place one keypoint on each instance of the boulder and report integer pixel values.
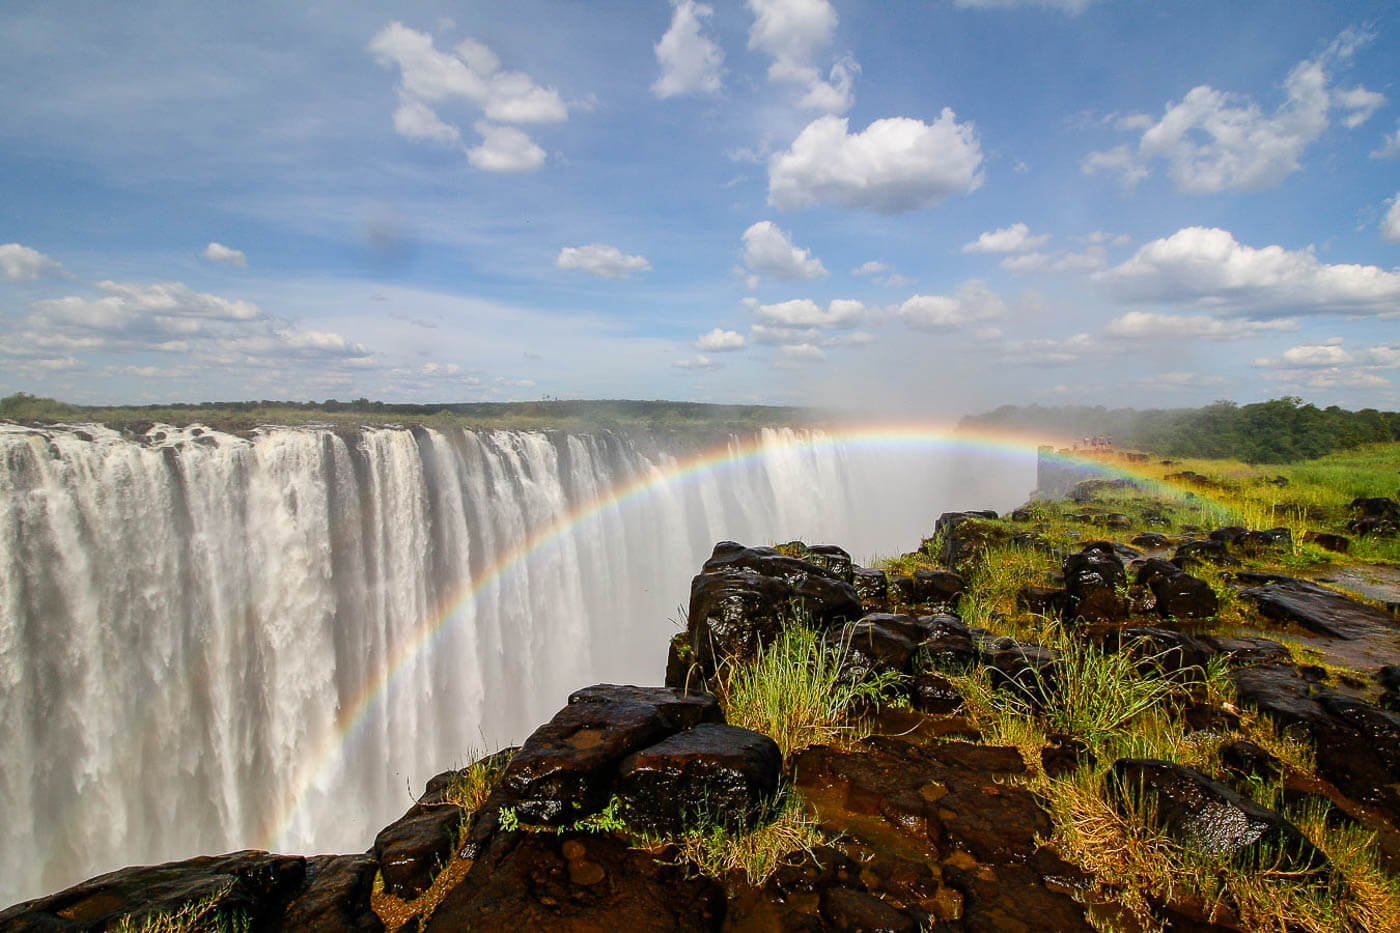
(1207, 550)
(1158, 649)
(933, 693)
(821, 596)
(1151, 540)
(733, 615)
(711, 774)
(901, 589)
(679, 709)
(1041, 599)
(966, 534)
(1247, 649)
(1023, 669)
(1316, 608)
(1209, 816)
(878, 643)
(249, 884)
(870, 585)
(334, 898)
(948, 644)
(1246, 760)
(1093, 578)
(833, 560)
(564, 770)
(1155, 567)
(938, 586)
(1182, 596)
(412, 849)
(1228, 535)
(1328, 541)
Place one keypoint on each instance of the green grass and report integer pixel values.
(202, 916)
(795, 692)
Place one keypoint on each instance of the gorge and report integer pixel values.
(218, 640)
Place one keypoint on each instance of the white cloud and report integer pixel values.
(218, 252)
(1215, 141)
(1390, 146)
(768, 249)
(896, 164)
(602, 260)
(1094, 256)
(1072, 7)
(1146, 325)
(719, 341)
(1208, 266)
(1390, 223)
(690, 62)
(793, 32)
(882, 273)
(469, 74)
(972, 301)
(1053, 351)
(803, 312)
(504, 149)
(22, 264)
(1013, 239)
(1332, 354)
(802, 353)
(873, 267)
(699, 362)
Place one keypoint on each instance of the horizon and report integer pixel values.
(775, 202)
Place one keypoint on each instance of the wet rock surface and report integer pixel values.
(335, 897)
(412, 848)
(1316, 608)
(1208, 815)
(712, 773)
(1093, 580)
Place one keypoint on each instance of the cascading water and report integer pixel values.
(195, 627)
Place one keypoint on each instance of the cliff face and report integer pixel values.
(986, 787)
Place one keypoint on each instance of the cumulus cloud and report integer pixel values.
(769, 250)
(1147, 325)
(894, 165)
(504, 149)
(470, 74)
(1390, 223)
(1207, 266)
(802, 353)
(218, 252)
(1072, 7)
(23, 264)
(794, 33)
(803, 312)
(1213, 140)
(720, 341)
(1332, 353)
(972, 301)
(1013, 239)
(1390, 146)
(882, 274)
(1093, 257)
(690, 62)
(602, 260)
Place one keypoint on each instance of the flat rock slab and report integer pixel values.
(1316, 608)
(334, 898)
(255, 884)
(680, 709)
(1208, 815)
(543, 881)
(412, 849)
(712, 774)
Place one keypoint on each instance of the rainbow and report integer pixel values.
(722, 457)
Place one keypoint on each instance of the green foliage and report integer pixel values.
(1280, 430)
(22, 406)
(795, 691)
(202, 916)
(472, 785)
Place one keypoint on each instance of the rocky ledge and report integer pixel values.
(921, 820)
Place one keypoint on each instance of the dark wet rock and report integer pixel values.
(1245, 650)
(870, 585)
(1208, 815)
(1253, 541)
(1063, 755)
(948, 644)
(1316, 608)
(1338, 544)
(1389, 677)
(1209, 551)
(683, 672)
(1116, 520)
(933, 693)
(1357, 744)
(965, 534)
(1182, 596)
(1123, 551)
(850, 909)
(1378, 507)
(711, 774)
(833, 560)
(1151, 541)
(1228, 535)
(1026, 670)
(1093, 578)
(540, 881)
(1155, 567)
(876, 644)
(412, 849)
(249, 884)
(1159, 649)
(679, 709)
(1244, 759)
(938, 586)
(334, 897)
(1021, 515)
(823, 596)
(1041, 599)
(901, 588)
(733, 615)
(564, 770)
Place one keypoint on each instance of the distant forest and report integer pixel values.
(1277, 431)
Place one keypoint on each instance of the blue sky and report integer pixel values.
(934, 206)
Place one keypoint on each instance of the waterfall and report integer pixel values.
(194, 624)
